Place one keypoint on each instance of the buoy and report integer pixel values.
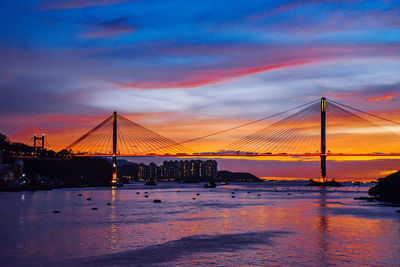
(79, 195)
(56, 211)
(178, 191)
(157, 201)
(233, 196)
(248, 192)
(108, 204)
(89, 198)
(94, 208)
(233, 192)
(137, 193)
(258, 195)
(193, 198)
(146, 196)
(198, 194)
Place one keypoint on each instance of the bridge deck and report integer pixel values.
(241, 155)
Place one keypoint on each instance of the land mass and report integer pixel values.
(388, 188)
(227, 176)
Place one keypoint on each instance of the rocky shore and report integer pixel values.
(387, 189)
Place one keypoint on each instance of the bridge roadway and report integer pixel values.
(241, 155)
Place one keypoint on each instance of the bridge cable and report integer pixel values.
(48, 144)
(28, 140)
(367, 113)
(89, 133)
(243, 125)
(281, 130)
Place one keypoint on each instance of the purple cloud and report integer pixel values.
(72, 4)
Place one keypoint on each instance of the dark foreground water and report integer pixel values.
(271, 224)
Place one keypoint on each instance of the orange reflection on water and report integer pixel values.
(113, 234)
(316, 227)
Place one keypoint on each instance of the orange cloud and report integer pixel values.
(385, 97)
(199, 79)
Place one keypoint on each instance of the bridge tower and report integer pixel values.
(323, 139)
(114, 157)
(41, 141)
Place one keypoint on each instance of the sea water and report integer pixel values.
(267, 224)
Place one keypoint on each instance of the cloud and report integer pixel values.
(72, 4)
(228, 61)
(201, 78)
(207, 59)
(384, 97)
(46, 83)
(321, 21)
(373, 93)
(115, 27)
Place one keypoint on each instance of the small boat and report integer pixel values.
(225, 183)
(210, 184)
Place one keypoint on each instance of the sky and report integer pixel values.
(187, 68)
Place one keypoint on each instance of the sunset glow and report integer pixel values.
(186, 70)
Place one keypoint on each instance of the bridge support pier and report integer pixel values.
(114, 158)
(323, 139)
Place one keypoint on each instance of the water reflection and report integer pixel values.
(324, 227)
(323, 230)
(113, 234)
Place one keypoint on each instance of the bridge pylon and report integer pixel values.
(114, 144)
(323, 139)
(41, 141)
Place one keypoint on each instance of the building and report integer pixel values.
(179, 170)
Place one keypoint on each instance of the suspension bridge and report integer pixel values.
(303, 132)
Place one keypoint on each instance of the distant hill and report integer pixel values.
(236, 177)
(388, 188)
(121, 162)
